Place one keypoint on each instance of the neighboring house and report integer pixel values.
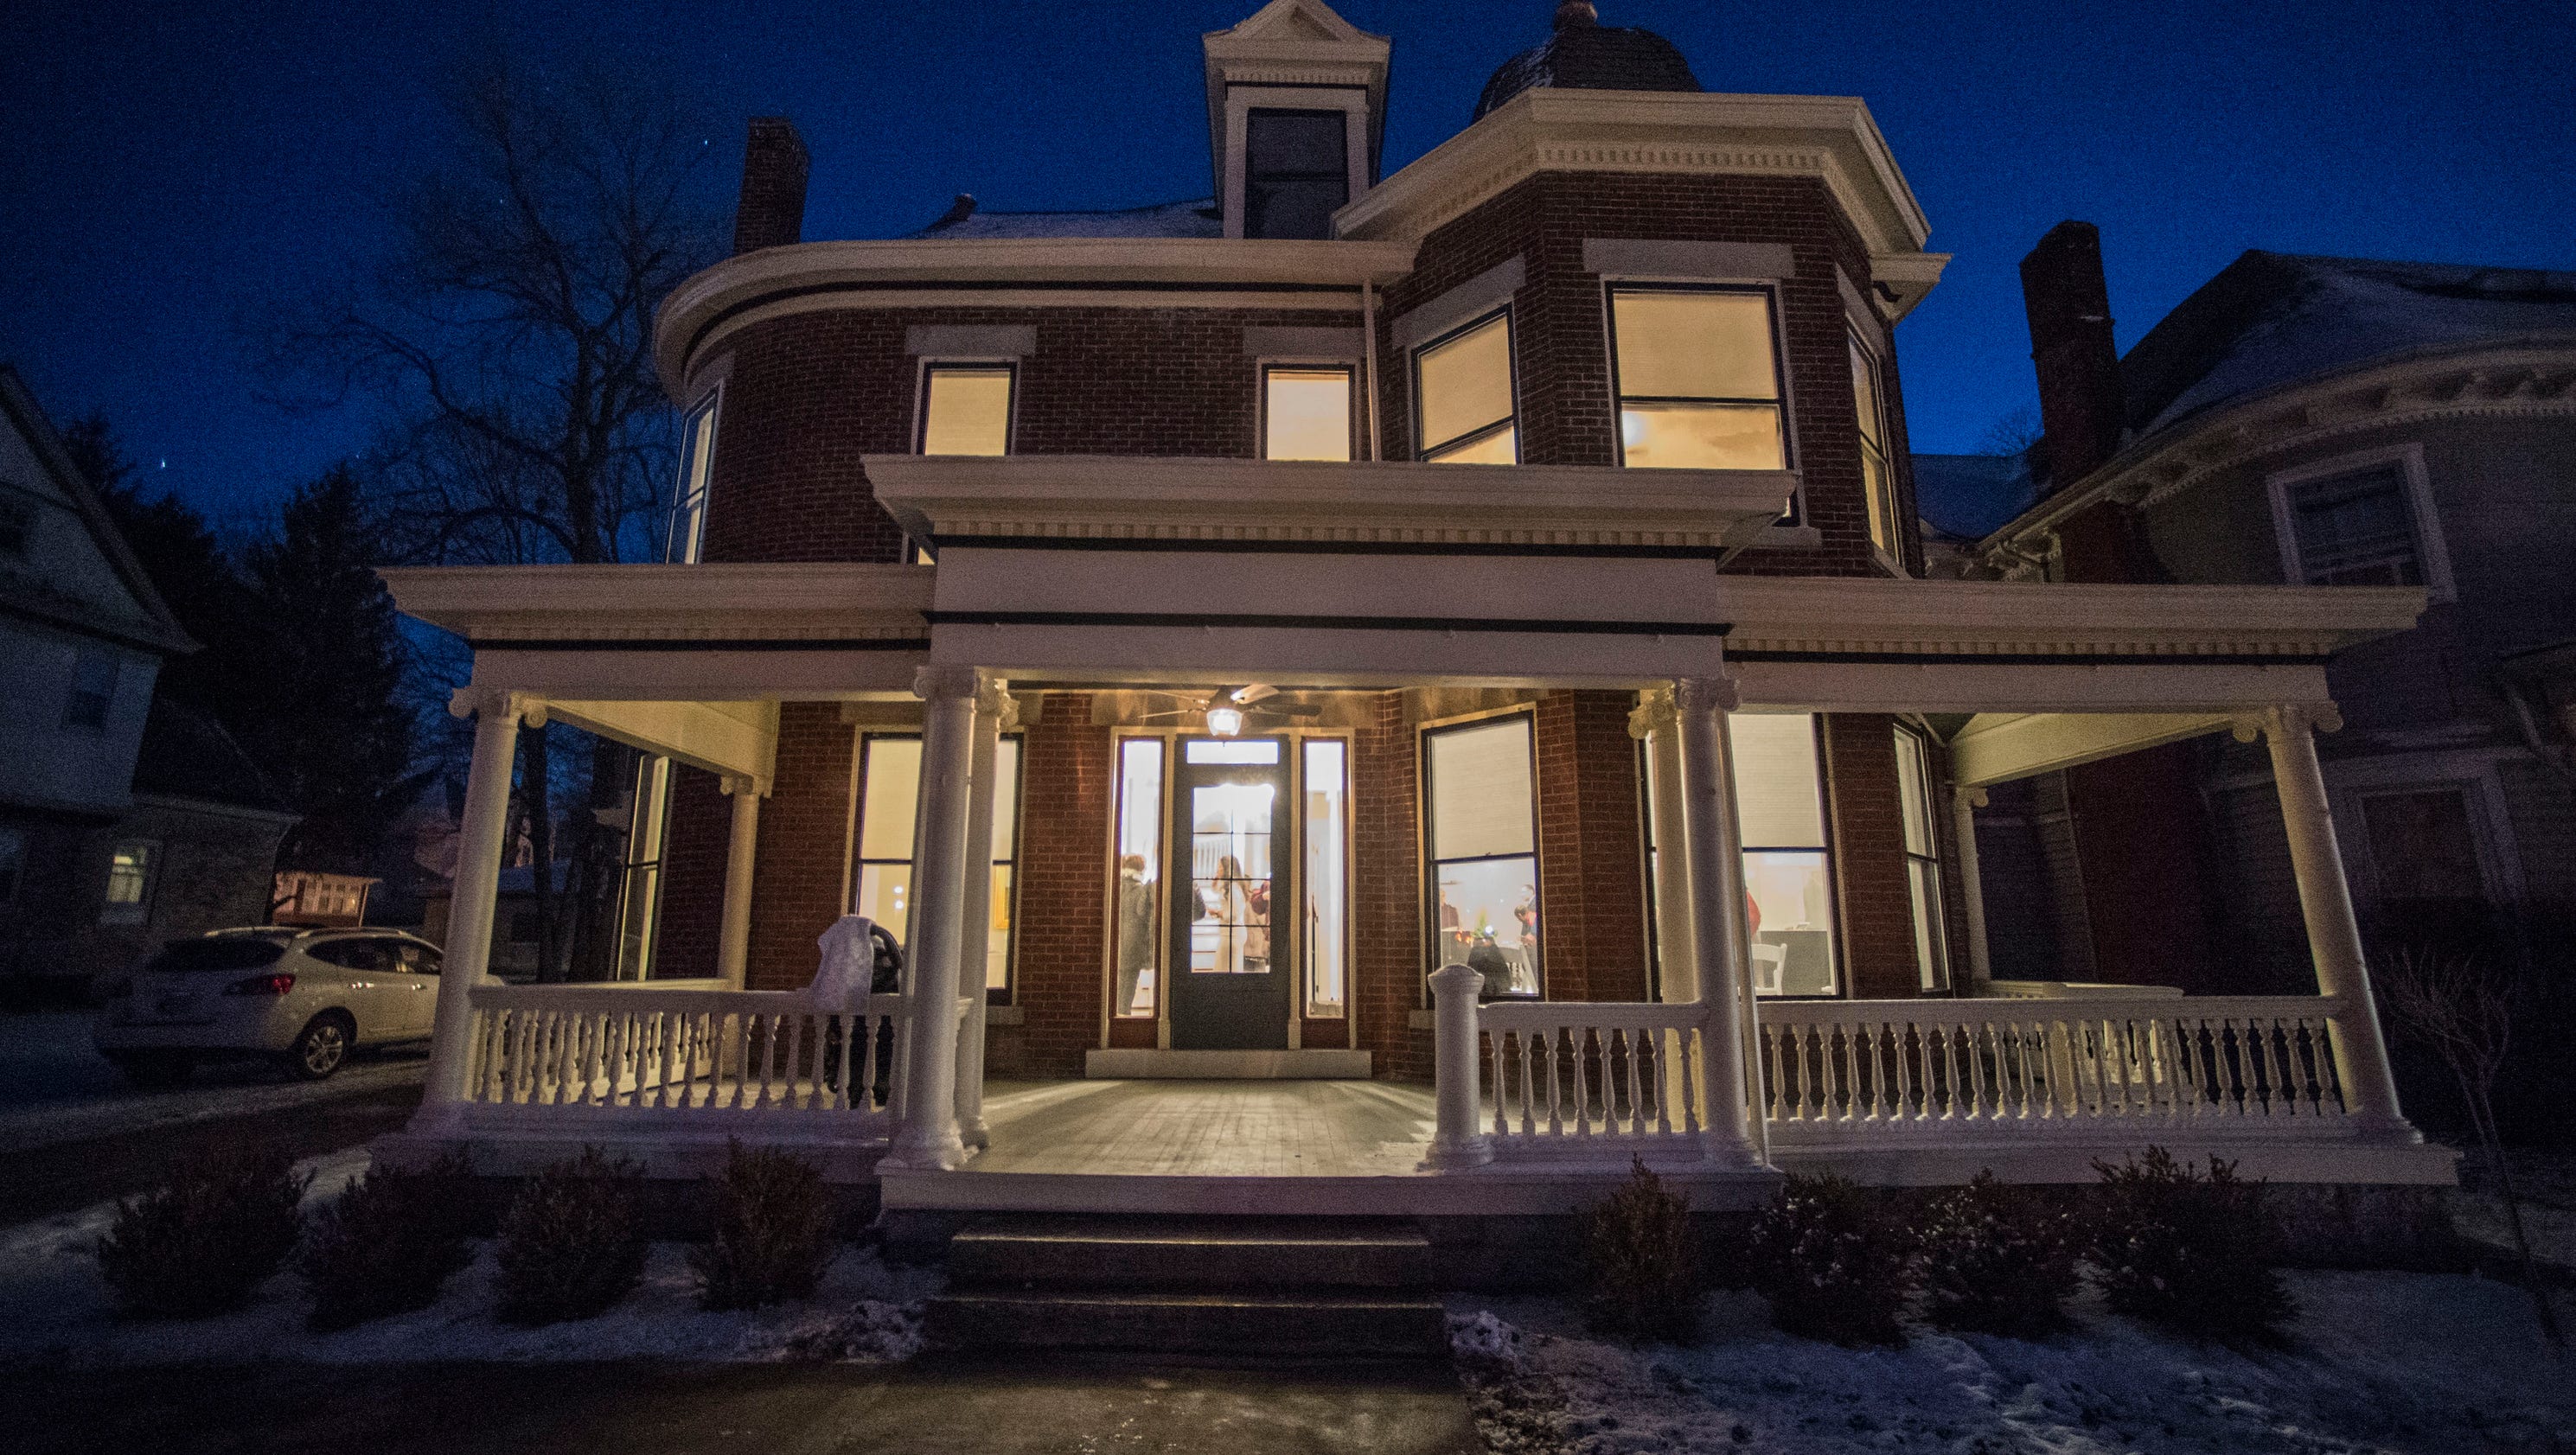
(1464, 627)
(515, 926)
(2343, 422)
(123, 819)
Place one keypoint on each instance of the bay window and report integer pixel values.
(1480, 825)
(1463, 396)
(966, 408)
(1698, 379)
(1922, 859)
(1878, 487)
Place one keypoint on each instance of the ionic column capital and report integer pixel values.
(735, 785)
(1971, 795)
(493, 702)
(1652, 714)
(2289, 719)
(993, 699)
(946, 684)
(1705, 695)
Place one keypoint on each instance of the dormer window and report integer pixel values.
(1296, 172)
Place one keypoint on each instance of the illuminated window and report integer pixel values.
(1922, 858)
(1462, 389)
(889, 791)
(1481, 839)
(131, 869)
(697, 467)
(1788, 863)
(1698, 380)
(1878, 487)
(1296, 172)
(966, 409)
(1326, 925)
(1306, 412)
(93, 692)
(1138, 984)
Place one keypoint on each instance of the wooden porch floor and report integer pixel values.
(1206, 1128)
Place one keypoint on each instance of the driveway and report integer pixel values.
(930, 1406)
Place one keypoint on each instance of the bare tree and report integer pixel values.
(2463, 1013)
(2013, 432)
(508, 333)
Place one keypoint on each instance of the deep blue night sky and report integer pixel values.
(168, 162)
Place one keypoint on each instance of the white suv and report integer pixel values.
(305, 998)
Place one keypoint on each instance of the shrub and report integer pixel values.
(1833, 1263)
(387, 1245)
(1998, 1259)
(773, 1233)
(571, 1243)
(2189, 1252)
(203, 1241)
(1641, 1259)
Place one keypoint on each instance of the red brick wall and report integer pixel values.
(693, 866)
(1869, 856)
(810, 393)
(800, 875)
(1567, 414)
(1386, 893)
(1065, 793)
(1592, 907)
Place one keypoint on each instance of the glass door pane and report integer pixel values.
(1230, 874)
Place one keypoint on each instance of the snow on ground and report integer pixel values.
(2401, 1362)
(56, 1312)
(55, 1087)
(2546, 1181)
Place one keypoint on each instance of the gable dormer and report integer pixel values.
(1296, 101)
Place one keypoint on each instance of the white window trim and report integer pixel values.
(711, 400)
(1261, 367)
(1803, 535)
(2349, 781)
(1418, 449)
(921, 394)
(2435, 556)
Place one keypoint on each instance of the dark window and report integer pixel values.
(2356, 530)
(93, 692)
(1296, 173)
(17, 527)
(228, 952)
(13, 862)
(2423, 844)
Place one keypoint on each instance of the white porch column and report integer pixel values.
(1653, 722)
(474, 894)
(1964, 803)
(993, 714)
(1717, 905)
(2325, 902)
(1457, 1070)
(733, 932)
(927, 1137)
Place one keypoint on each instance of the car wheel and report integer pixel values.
(155, 1069)
(320, 1047)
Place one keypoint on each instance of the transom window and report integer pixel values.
(966, 408)
(1481, 837)
(1296, 172)
(1463, 396)
(889, 792)
(697, 467)
(1878, 487)
(1698, 378)
(1306, 412)
(1922, 858)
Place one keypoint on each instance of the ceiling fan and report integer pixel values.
(1228, 709)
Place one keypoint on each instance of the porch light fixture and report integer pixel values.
(1225, 720)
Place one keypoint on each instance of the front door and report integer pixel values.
(1231, 824)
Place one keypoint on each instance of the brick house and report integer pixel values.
(1448, 649)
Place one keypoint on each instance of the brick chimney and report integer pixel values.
(772, 210)
(2080, 405)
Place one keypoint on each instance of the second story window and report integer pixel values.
(697, 466)
(93, 692)
(2355, 529)
(1462, 392)
(1698, 379)
(966, 408)
(1306, 412)
(1296, 172)
(1878, 487)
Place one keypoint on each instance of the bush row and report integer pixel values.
(571, 1244)
(2183, 1249)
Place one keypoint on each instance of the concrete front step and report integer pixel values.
(1251, 1255)
(1163, 1322)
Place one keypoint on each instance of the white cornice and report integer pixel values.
(2500, 378)
(1832, 138)
(769, 601)
(1860, 615)
(1125, 498)
(734, 288)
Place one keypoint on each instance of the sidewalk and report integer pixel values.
(930, 1406)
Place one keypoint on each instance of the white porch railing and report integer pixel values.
(684, 1052)
(1929, 1067)
(1590, 1079)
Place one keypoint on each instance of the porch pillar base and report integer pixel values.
(1457, 1141)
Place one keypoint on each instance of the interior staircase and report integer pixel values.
(1216, 1286)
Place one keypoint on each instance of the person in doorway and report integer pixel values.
(1525, 974)
(1135, 931)
(1231, 908)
